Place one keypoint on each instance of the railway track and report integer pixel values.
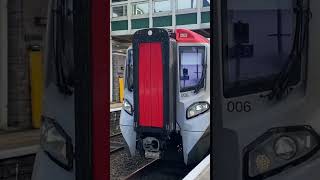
(17, 168)
(160, 170)
(115, 144)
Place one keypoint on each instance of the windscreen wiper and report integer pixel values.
(281, 83)
(201, 82)
(59, 49)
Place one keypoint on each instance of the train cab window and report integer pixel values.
(192, 62)
(129, 71)
(259, 36)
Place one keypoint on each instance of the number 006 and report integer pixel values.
(239, 106)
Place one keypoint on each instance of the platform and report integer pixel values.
(201, 171)
(16, 144)
(115, 107)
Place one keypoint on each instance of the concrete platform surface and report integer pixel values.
(115, 107)
(201, 171)
(15, 144)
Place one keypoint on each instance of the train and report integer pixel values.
(166, 107)
(74, 129)
(267, 91)
(265, 74)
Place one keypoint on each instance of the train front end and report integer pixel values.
(160, 116)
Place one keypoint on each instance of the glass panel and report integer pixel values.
(191, 66)
(186, 4)
(161, 6)
(119, 11)
(140, 8)
(205, 3)
(129, 70)
(256, 51)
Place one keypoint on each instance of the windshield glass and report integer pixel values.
(129, 70)
(192, 60)
(256, 52)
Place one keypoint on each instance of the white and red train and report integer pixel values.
(167, 95)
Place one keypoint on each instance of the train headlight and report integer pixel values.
(197, 109)
(279, 149)
(56, 143)
(285, 148)
(127, 107)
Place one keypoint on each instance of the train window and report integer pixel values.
(192, 62)
(129, 71)
(257, 52)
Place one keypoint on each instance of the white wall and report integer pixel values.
(3, 64)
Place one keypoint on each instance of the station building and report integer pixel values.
(22, 37)
(128, 16)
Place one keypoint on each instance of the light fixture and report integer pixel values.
(278, 149)
(127, 107)
(197, 109)
(56, 143)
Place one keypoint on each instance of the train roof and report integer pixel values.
(188, 36)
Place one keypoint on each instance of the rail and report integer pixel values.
(161, 169)
(115, 144)
(17, 168)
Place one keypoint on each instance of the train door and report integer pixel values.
(154, 78)
(266, 124)
(74, 132)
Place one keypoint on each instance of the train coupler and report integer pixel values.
(149, 147)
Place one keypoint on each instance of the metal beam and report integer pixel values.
(3, 64)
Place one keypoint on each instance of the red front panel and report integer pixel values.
(150, 85)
